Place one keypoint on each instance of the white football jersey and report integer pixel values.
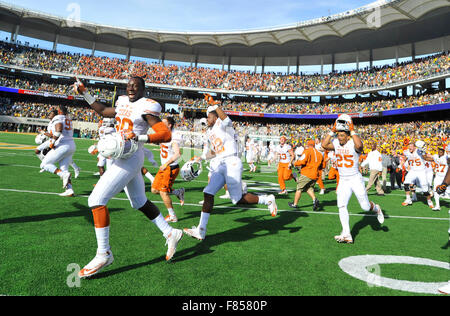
(347, 159)
(67, 130)
(167, 149)
(414, 160)
(441, 165)
(130, 115)
(283, 151)
(222, 138)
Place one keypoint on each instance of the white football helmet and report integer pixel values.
(343, 123)
(420, 144)
(109, 122)
(40, 139)
(114, 146)
(191, 170)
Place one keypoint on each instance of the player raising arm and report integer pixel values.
(348, 147)
(134, 115)
(227, 169)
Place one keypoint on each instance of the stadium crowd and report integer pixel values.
(198, 77)
(324, 108)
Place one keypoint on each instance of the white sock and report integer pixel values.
(437, 200)
(149, 176)
(171, 212)
(263, 200)
(163, 226)
(345, 220)
(102, 240)
(204, 218)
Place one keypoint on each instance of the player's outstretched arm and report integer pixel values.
(98, 107)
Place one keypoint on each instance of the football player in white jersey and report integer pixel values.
(271, 157)
(415, 165)
(64, 147)
(251, 154)
(43, 149)
(135, 115)
(348, 147)
(441, 190)
(442, 162)
(165, 178)
(227, 170)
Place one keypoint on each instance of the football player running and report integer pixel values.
(227, 169)
(134, 114)
(442, 162)
(47, 142)
(441, 190)
(168, 172)
(64, 147)
(415, 165)
(348, 146)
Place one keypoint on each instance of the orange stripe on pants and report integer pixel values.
(320, 181)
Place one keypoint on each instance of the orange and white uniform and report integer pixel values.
(441, 168)
(125, 174)
(226, 167)
(350, 179)
(415, 165)
(284, 168)
(64, 147)
(333, 173)
(165, 179)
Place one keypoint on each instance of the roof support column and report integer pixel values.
(55, 42)
(128, 53)
(263, 64)
(413, 51)
(223, 63)
(162, 58)
(298, 65)
(321, 65)
(229, 63)
(289, 65)
(93, 48)
(396, 55)
(15, 33)
(333, 62)
(371, 59)
(256, 64)
(357, 60)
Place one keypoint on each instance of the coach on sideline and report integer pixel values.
(374, 161)
(311, 162)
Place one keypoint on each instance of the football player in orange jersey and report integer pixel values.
(286, 157)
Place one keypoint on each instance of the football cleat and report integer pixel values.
(68, 193)
(172, 243)
(272, 204)
(342, 239)
(430, 204)
(66, 178)
(437, 209)
(380, 215)
(407, 203)
(284, 192)
(171, 219)
(201, 202)
(100, 262)
(196, 233)
(322, 192)
(76, 173)
(180, 195)
(445, 289)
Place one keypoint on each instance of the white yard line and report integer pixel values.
(236, 207)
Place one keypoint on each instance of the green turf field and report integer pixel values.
(246, 253)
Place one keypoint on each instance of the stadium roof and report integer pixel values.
(386, 29)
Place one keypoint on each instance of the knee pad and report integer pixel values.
(426, 194)
(407, 187)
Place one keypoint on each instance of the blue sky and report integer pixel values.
(198, 15)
